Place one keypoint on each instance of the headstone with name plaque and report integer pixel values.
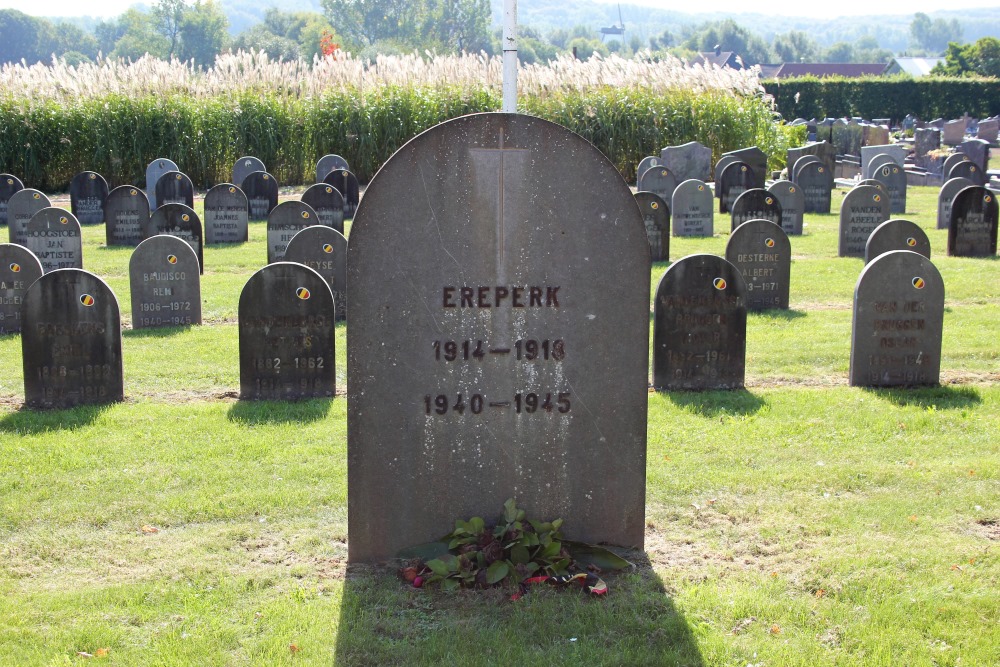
(659, 181)
(692, 209)
(261, 189)
(174, 188)
(897, 152)
(324, 250)
(226, 215)
(946, 196)
(692, 160)
(347, 184)
(864, 208)
(736, 178)
(898, 321)
(897, 234)
(154, 171)
(972, 229)
(656, 217)
(165, 283)
(88, 194)
(792, 203)
(978, 152)
(328, 203)
(18, 269)
(9, 184)
(21, 207)
(644, 164)
(53, 235)
(822, 150)
(757, 159)
(755, 204)
(952, 160)
(180, 221)
(967, 169)
(328, 163)
(126, 211)
(761, 252)
(502, 333)
(700, 326)
(71, 341)
(287, 325)
(894, 179)
(245, 166)
(816, 182)
(793, 174)
(285, 221)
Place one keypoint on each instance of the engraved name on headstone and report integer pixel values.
(736, 178)
(328, 203)
(324, 250)
(972, 229)
(127, 211)
(21, 207)
(165, 283)
(656, 217)
(53, 235)
(18, 269)
(261, 189)
(864, 208)
(792, 203)
(755, 204)
(946, 196)
(897, 234)
(692, 209)
(9, 184)
(174, 188)
(762, 253)
(285, 221)
(180, 221)
(226, 214)
(88, 193)
(154, 170)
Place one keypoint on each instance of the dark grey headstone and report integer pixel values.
(898, 318)
(127, 212)
(692, 209)
(897, 152)
(9, 184)
(174, 188)
(816, 181)
(154, 170)
(688, 161)
(878, 161)
(736, 178)
(286, 323)
(755, 204)
(328, 203)
(656, 217)
(977, 150)
(88, 193)
(261, 189)
(165, 283)
(894, 179)
(757, 159)
(864, 208)
(526, 249)
(793, 173)
(945, 198)
(18, 269)
(53, 235)
(972, 229)
(953, 132)
(644, 164)
(329, 163)
(285, 221)
(792, 203)
(761, 252)
(245, 166)
(21, 207)
(347, 184)
(871, 182)
(180, 221)
(324, 250)
(226, 214)
(700, 326)
(897, 234)
(720, 166)
(952, 160)
(660, 181)
(823, 150)
(968, 169)
(71, 341)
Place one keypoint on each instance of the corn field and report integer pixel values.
(114, 117)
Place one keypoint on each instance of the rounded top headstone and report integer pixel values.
(328, 163)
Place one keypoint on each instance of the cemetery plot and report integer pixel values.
(180, 221)
(897, 235)
(972, 230)
(165, 283)
(656, 217)
(53, 236)
(19, 268)
(261, 189)
(692, 209)
(127, 212)
(226, 215)
(864, 208)
(154, 171)
(762, 253)
(324, 250)
(285, 221)
(88, 193)
(21, 207)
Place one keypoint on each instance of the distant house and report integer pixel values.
(915, 67)
(720, 58)
(850, 70)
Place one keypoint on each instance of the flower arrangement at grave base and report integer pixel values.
(513, 551)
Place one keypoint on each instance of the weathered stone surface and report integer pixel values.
(692, 160)
(700, 326)
(987, 130)
(898, 316)
(865, 207)
(287, 346)
(261, 189)
(972, 229)
(897, 152)
(328, 203)
(53, 236)
(897, 234)
(761, 252)
(945, 197)
(127, 212)
(21, 207)
(154, 171)
(165, 283)
(793, 174)
(894, 179)
(977, 150)
(227, 215)
(285, 221)
(174, 187)
(926, 140)
(968, 169)
(9, 184)
(874, 135)
(347, 184)
(952, 160)
(736, 178)
(659, 181)
(755, 204)
(757, 159)
(324, 250)
(793, 204)
(644, 164)
(180, 221)
(245, 166)
(18, 269)
(328, 163)
(656, 217)
(953, 132)
(88, 193)
(692, 209)
(71, 341)
(489, 333)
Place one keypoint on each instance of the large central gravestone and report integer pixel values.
(735, 179)
(762, 253)
(71, 341)
(126, 210)
(659, 181)
(688, 161)
(21, 207)
(757, 159)
(692, 209)
(88, 193)
(174, 187)
(9, 184)
(324, 250)
(53, 235)
(261, 189)
(897, 234)
(499, 340)
(18, 269)
(226, 215)
(972, 230)
(897, 152)
(165, 283)
(755, 204)
(816, 181)
(865, 207)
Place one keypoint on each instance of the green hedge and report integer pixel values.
(878, 97)
(116, 136)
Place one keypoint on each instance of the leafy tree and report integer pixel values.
(458, 25)
(730, 36)
(934, 36)
(841, 52)
(981, 58)
(795, 47)
(203, 32)
(168, 16)
(259, 38)
(365, 22)
(139, 36)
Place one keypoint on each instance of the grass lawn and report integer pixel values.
(798, 522)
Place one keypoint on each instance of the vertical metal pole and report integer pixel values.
(510, 56)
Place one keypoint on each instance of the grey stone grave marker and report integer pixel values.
(53, 235)
(823, 150)
(226, 215)
(127, 212)
(21, 207)
(897, 323)
(897, 152)
(894, 179)
(968, 169)
(897, 234)
(245, 166)
(261, 189)
(793, 204)
(925, 140)
(755, 204)
(324, 250)
(757, 159)
(165, 283)
(977, 150)
(988, 130)
(18, 269)
(720, 166)
(287, 347)
(88, 194)
(864, 208)
(285, 221)
(693, 209)
(945, 198)
(816, 182)
(972, 229)
(328, 203)
(660, 181)
(871, 182)
(174, 188)
(71, 341)
(180, 221)
(793, 173)
(737, 177)
(692, 160)
(644, 164)
(489, 372)
(879, 161)
(761, 252)
(154, 170)
(347, 184)
(953, 132)
(952, 160)
(700, 326)
(656, 217)
(875, 135)
(328, 163)
(9, 184)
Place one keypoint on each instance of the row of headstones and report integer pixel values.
(72, 342)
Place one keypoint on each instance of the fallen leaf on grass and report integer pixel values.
(913, 518)
(972, 473)
(957, 567)
(820, 593)
(775, 630)
(102, 652)
(294, 648)
(149, 530)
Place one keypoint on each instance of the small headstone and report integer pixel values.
(688, 161)
(174, 188)
(329, 163)
(761, 252)
(88, 194)
(793, 204)
(897, 324)
(660, 181)
(972, 230)
(226, 215)
(644, 164)
(245, 166)
(737, 177)
(53, 235)
(261, 189)
(897, 152)
(875, 135)
(285, 221)
(156, 168)
(793, 172)
(897, 234)
(656, 217)
(894, 179)
(700, 326)
(692, 209)
(286, 323)
(18, 269)
(9, 184)
(755, 204)
(871, 182)
(720, 166)
(865, 207)
(165, 283)
(945, 198)
(953, 133)
(324, 250)
(952, 160)
(180, 221)
(968, 169)
(988, 130)
(71, 341)
(347, 184)
(757, 159)
(127, 212)
(328, 203)
(977, 150)
(21, 207)
(879, 161)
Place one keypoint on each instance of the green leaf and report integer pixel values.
(557, 524)
(530, 540)
(424, 551)
(531, 568)
(591, 554)
(519, 554)
(455, 543)
(551, 550)
(509, 510)
(438, 567)
(496, 572)
(559, 567)
(461, 527)
(451, 585)
(476, 525)
(541, 526)
(451, 562)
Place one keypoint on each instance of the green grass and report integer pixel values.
(798, 522)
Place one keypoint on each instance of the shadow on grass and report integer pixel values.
(942, 398)
(779, 314)
(716, 403)
(386, 622)
(156, 332)
(279, 412)
(27, 420)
